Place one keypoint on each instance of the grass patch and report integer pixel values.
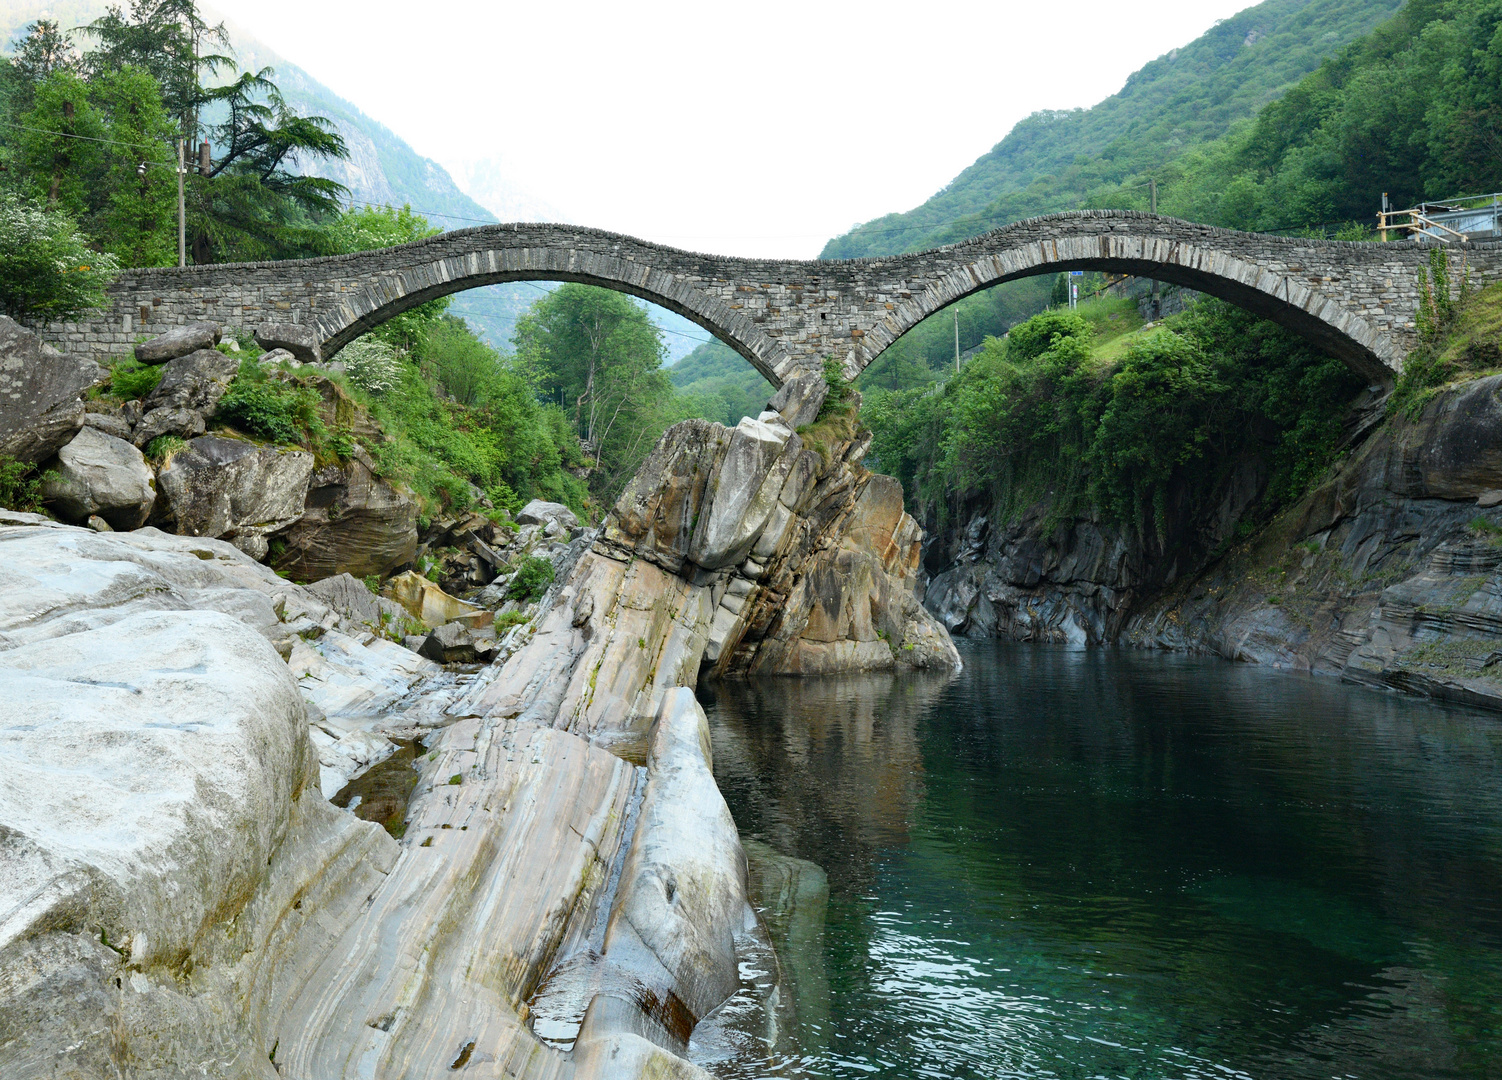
(1459, 340)
(131, 380)
(160, 449)
(507, 619)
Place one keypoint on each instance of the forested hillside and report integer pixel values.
(1057, 160)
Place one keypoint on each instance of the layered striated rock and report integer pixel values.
(352, 522)
(565, 853)
(1388, 574)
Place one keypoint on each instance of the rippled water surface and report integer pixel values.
(1110, 863)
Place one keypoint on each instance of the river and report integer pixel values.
(1111, 863)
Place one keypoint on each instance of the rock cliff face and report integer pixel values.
(1387, 574)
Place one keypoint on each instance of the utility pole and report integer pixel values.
(956, 341)
(182, 208)
(1156, 306)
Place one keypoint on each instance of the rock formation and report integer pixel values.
(179, 898)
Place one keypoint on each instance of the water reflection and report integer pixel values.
(1079, 863)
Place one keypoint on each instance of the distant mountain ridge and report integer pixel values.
(1052, 160)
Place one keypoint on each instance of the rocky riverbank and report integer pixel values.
(1388, 573)
(180, 897)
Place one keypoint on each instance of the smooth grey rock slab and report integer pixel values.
(300, 341)
(40, 388)
(744, 491)
(100, 474)
(179, 341)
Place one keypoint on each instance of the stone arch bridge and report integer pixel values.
(1357, 300)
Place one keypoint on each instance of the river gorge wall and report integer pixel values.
(179, 897)
(1385, 574)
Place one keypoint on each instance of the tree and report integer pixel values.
(42, 50)
(100, 152)
(169, 40)
(47, 270)
(256, 203)
(599, 357)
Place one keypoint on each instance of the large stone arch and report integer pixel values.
(1279, 297)
(390, 293)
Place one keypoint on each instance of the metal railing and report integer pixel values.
(1476, 217)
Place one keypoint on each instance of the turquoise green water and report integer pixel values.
(1107, 863)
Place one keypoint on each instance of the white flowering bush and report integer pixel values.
(372, 364)
(47, 269)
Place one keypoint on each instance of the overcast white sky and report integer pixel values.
(741, 128)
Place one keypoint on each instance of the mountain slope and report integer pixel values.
(1052, 160)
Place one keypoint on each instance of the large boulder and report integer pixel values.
(186, 423)
(234, 490)
(301, 341)
(179, 341)
(196, 381)
(352, 522)
(100, 474)
(163, 838)
(538, 512)
(40, 404)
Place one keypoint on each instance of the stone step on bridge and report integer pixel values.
(1356, 300)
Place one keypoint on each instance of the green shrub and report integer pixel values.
(20, 487)
(1122, 432)
(130, 379)
(533, 576)
(47, 268)
(275, 409)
